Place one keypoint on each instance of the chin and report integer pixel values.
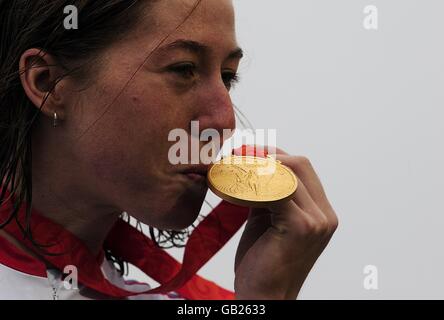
(176, 207)
(185, 213)
(185, 210)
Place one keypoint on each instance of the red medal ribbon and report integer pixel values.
(132, 246)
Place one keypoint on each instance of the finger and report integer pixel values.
(304, 200)
(308, 177)
(287, 217)
(259, 220)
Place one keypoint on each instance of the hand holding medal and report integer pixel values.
(291, 220)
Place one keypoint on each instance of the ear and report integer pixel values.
(38, 74)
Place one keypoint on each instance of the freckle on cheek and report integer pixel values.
(135, 100)
(148, 111)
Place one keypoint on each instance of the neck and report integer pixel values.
(61, 193)
(87, 221)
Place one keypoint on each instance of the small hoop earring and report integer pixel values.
(56, 120)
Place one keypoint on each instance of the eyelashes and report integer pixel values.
(230, 79)
(184, 70)
(188, 72)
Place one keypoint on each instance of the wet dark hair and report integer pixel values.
(26, 24)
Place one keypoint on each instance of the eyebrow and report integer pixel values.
(199, 48)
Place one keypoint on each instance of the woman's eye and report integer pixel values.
(230, 79)
(185, 70)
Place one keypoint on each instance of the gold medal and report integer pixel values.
(252, 181)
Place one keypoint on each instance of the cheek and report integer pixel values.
(112, 150)
(130, 138)
(154, 115)
(109, 155)
(130, 141)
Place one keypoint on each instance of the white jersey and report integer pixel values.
(21, 281)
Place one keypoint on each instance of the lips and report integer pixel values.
(197, 169)
(197, 173)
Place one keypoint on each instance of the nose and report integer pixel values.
(217, 110)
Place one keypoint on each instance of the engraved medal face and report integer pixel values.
(252, 181)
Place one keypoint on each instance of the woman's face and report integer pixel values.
(121, 152)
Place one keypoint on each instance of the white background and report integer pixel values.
(366, 107)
